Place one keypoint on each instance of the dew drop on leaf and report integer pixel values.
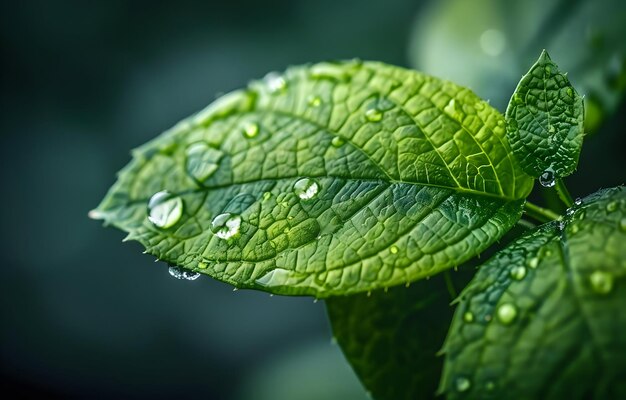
(547, 178)
(226, 225)
(468, 316)
(518, 272)
(267, 195)
(202, 160)
(250, 130)
(180, 273)
(612, 206)
(164, 209)
(315, 101)
(338, 141)
(578, 201)
(462, 384)
(507, 313)
(373, 114)
(275, 82)
(393, 249)
(306, 188)
(601, 282)
(533, 262)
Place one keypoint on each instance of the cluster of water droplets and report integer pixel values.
(180, 273)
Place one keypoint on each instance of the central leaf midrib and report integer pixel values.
(365, 180)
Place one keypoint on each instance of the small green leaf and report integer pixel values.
(330, 179)
(391, 338)
(545, 122)
(547, 312)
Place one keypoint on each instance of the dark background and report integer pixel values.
(83, 315)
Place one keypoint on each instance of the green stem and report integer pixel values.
(564, 195)
(449, 284)
(526, 224)
(539, 213)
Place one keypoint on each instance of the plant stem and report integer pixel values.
(449, 284)
(564, 195)
(526, 224)
(539, 213)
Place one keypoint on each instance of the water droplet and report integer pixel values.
(570, 211)
(518, 272)
(533, 262)
(578, 201)
(601, 282)
(338, 141)
(267, 195)
(226, 225)
(165, 209)
(507, 313)
(275, 82)
(468, 316)
(373, 114)
(462, 384)
(393, 249)
(573, 228)
(570, 92)
(306, 188)
(612, 206)
(202, 265)
(315, 101)
(202, 160)
(251, 129)
(180, 273)
(547, 179)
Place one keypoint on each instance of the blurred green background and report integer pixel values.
(86, 316)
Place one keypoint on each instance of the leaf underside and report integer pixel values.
(392, 338)
(545, 317)
(404, 176)
(545, 121)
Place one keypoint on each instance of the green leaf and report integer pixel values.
(391, 339)
(545, 122)
(544, 318)
(333, 178)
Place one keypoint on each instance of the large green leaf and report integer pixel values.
(391, 338)
(545, 122)
(489, 51)
(330, 179)
(545, 317)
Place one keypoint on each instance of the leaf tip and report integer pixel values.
(544, 56)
